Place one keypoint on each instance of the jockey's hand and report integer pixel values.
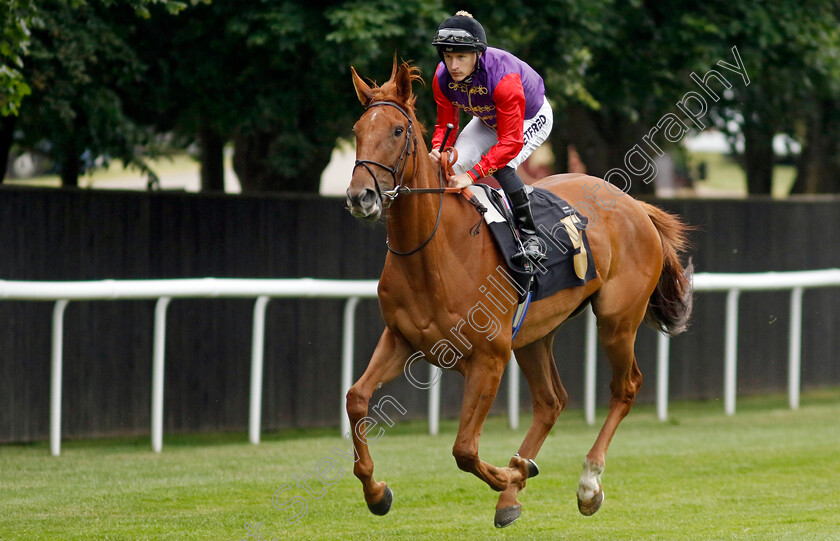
(460, 181)
(435, 155)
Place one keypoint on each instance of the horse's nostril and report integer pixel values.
(361, 202)
(368, 197)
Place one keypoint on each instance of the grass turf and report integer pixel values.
(765, 473)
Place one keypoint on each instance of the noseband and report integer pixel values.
(399, 166)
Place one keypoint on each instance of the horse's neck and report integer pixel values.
(451, 259)
(412, 218)
(440, 284)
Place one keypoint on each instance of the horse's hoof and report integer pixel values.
(533, 469)
(384, 505)
(506, 516)
(589, 508)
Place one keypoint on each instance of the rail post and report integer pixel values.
(57, 364)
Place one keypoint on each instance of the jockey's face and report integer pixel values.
(460, 65)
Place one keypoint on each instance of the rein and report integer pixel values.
(400, 164)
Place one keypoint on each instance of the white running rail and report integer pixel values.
(353, 290)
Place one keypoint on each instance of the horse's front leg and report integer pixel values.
(386, 364)
(481, 386)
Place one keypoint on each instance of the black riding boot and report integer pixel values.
(528, 231)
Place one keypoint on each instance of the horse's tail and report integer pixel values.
(669, 308)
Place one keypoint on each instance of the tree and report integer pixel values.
(305, 101)
(818, 124)
(197, 74)
(15, 20)
(272, 77)
(640, 57)
(790, 50)
(611, 68)
(634, 60)
(76, 63)
(818, 165)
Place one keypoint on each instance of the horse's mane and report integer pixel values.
(389, 91)
(398, 90)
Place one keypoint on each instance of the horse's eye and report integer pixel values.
(398, 130)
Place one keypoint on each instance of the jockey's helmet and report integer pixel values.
(460, 33)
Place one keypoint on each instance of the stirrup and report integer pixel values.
(531, 250)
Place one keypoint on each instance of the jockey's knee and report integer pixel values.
(508, 179)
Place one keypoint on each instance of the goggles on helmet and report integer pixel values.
(455, 36)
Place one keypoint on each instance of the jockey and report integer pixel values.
(512, 116)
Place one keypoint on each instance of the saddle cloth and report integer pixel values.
(561, 231)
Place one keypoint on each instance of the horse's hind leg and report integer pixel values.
(617, 334)
(537, 363)
(385, 364)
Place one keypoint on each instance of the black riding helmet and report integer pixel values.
(460, 33)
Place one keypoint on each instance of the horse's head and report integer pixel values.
(386, 142)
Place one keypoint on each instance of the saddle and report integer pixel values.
(561, 231)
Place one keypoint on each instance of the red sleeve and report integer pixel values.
(447, 113)
(509, 98)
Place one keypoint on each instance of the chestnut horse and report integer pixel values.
(432, 281)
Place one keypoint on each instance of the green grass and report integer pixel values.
(765, 473)
(726, 178)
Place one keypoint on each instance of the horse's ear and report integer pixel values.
(363, 90)
(402, 80)
(394, 67)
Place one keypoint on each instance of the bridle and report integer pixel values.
(393, 170)
(399, 168)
